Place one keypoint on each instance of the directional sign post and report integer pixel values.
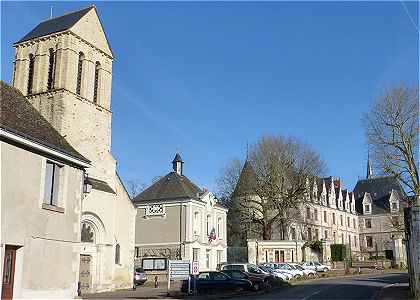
(178, 270)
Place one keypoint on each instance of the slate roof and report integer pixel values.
(58, 24)
(100, 185)
(171, 186)
(380, 189)
(247, 181)
(19, 117)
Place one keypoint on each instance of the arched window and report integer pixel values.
(208, 224)
(79, 72)
(219, 227)
(117, 254)
(31, 73)
(50, 82)
(87, 234)
(96, 85)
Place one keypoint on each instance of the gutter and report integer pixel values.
(42, 148)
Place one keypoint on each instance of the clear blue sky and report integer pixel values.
(207, 77)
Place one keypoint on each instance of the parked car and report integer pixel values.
(286, 268)
(216, 281)
(258, 281)
(276, 273)
(316, 266)
(140, 276)
(306, 272)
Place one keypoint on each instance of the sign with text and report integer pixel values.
(179, 269)
(195, 269)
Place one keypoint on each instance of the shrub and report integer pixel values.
(338, 252)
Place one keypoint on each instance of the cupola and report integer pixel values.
(177, 164)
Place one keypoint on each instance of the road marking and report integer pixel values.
(313, 294)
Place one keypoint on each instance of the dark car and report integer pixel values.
(140, 276)
(258, 282)
(214, 281)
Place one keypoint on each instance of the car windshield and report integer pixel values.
(139, 270)
(299, 267)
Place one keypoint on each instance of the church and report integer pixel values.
(63, 67)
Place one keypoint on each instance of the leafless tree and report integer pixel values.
(227, 180)
(392, 131)
(282, 167)
(134, 187)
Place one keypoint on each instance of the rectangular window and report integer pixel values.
(208, 259)
(308, 213)
(316, 214)
(368, 223)
(369, 242)
(325, 216)
(354, 223)
(309, 234)
(293, 233)
(341, 220)
(348, 221)
(326, 234)
(394, 206)
(317, 234)
(367, 208)
(196, 254)
(333, 218)
(52, 183)
(150, 264)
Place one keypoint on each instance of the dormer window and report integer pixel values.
(394, 206)
(367, 208)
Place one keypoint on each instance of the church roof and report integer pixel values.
(171, 186)
(247, 181)
(380, 189)
(19, 117)
(58, 24)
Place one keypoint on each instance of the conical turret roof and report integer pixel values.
(247, 182)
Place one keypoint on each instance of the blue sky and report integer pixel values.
(205, 78)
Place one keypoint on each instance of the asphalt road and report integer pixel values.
(361, 287)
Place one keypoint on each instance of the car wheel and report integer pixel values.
(297, 276)
(325, 270)
(310, 275)
(256, 286)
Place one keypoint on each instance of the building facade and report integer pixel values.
(41, 195)
(64, 68)
(369, 220)
(380, 204)
(178, 220)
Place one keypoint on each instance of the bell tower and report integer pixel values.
(64, 68)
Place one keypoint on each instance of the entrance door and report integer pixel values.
(8, 272)
(85, 277)
(276, 256)
(281, 256)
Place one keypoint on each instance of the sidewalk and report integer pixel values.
(394, 291)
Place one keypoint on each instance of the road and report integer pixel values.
(361, 287)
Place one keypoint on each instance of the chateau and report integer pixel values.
(64, 69)
(361, 219)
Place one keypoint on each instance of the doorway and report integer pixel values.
(8, 272)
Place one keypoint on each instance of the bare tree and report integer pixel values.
(282, 167)
(134, 187)
(392, 131)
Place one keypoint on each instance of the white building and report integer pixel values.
(178, 220)
(64, 68)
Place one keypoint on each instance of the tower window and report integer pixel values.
(80, 72)
(31, 73)
(50, 82)
(95, 88)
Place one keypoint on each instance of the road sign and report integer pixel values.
(195, 269)
(179, 269)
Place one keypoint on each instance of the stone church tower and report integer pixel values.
(64, 68)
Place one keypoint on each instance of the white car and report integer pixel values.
(284, 267)
(277, 272)
(306, 272)
(316, 266)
